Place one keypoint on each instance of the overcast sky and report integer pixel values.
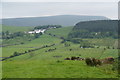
(34, 9)
(59, 0)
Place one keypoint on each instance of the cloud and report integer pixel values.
(26, 9)
(60, 0)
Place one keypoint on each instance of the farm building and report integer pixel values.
(37, 31)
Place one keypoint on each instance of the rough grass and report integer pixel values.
(13, 29)
(7, 51)
(0, 64)
(64, 52)
(103, 42)
(54, 69)
(43, 40)
(63, 32)
(41, 64)
(61, 49)
(17, 40)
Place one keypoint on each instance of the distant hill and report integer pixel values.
(64, 20)
(91, 29)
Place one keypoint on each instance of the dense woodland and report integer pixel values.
(47, 26)
(95, 29)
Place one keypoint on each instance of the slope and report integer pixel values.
(64, 20)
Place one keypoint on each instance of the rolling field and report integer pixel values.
(54, 69)
(7, 51)
(43, 40)
(103, 42)
(51, 64)
(63, 32)
(0, 64)
(63, 52)
(15, 28)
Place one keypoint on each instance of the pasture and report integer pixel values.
(49, 62)
(54, 69)
(13, 29)
(62, 32)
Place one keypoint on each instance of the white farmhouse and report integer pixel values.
(37, 31)
(31, 32)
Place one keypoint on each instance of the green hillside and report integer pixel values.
(48, 62)
(43, 40)
(98, 25)
(64, 20)
(15, 28)
(52, 64)
(54, 69)
(63, 32)
(95, 29)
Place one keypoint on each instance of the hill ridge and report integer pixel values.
(64, 20)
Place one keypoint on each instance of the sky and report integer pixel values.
(23, 8)
(59, 0)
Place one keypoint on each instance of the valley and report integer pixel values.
(48, 62)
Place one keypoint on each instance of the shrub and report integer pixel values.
(29, 50)
(11, 56)
(70, 49)
(58, 61)
(22, 43)
(108, 47)
(89, 61)
(92, 62)
(25, 51)
(15, 54)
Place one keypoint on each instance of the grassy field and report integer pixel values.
(12, 29)
(60, 31)
(7, 51)
(51, 64)
(54, 69)
(0, 64)
(43, 40)
(103, 42)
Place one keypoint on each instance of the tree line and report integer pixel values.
(25, 52)
(47, 26)
(95, 29)
(8, 35)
